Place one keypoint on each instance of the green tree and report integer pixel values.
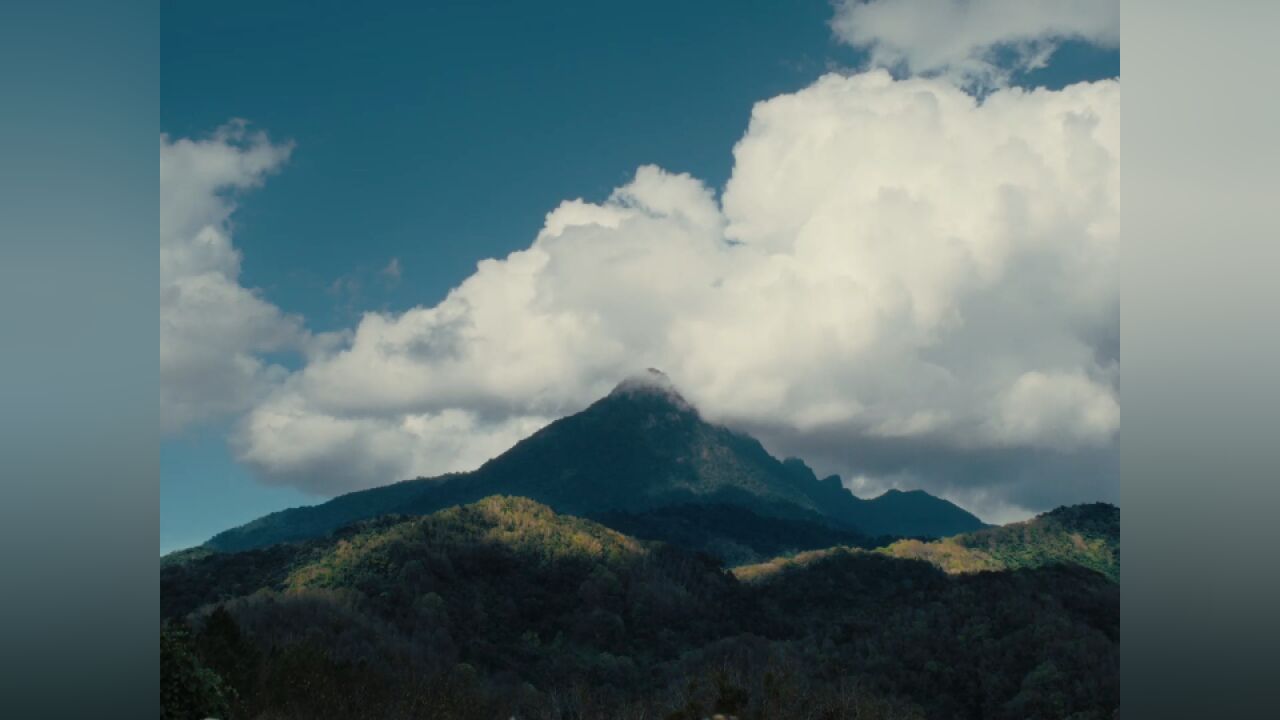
(188, 689)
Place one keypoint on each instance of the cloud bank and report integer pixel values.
(977, 42)
(213, 331)
(899, 282)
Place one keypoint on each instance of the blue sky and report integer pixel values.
(439, 134)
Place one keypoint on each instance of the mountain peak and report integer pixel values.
(640, 448)
(650, 383)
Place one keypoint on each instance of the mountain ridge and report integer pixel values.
(1086, 534)
(640, 448)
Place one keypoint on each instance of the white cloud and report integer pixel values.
(213, 330)
(329, 454)
(991, 505)
(1064, 409)
(961, 38)
(891, 261)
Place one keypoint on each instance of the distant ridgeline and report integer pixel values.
(641, 449)
(582, 574)
(1084, 535)
(505, 608)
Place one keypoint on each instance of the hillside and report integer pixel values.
(1085, 535)
(732, 534)
(641, 448)
(506, 608)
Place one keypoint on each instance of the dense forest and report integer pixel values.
(1087, 535)
(733, 534)
(505, 608)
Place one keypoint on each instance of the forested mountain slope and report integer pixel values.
(505, 608)
(1086, 535)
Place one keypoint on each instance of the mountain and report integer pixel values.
(1085, 535)
(505, 608)
(641, 448)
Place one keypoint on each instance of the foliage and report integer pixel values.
(967, 646)
(1085, 535)
(733, 534)
(504, 608)
(188, 688)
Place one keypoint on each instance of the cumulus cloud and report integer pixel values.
(974, 41)
(333, 453)
(1069, 407)
(898, 279)
(212, 330)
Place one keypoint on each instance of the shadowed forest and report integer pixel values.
(504, 608)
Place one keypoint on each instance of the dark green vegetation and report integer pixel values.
(639, 449)
(733, 534)
(1086, 535)
(505, 608)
